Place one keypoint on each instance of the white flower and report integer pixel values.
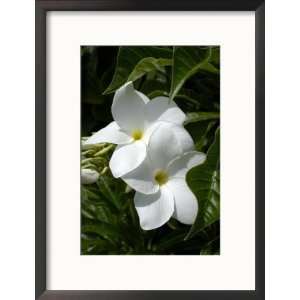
(89, 176)
(160, 183)
(135, 118)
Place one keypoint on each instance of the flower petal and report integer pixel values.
(128, 108)
(126, 158)
(180, 166)
(186, 204)
(141, 179)
(149, 130)
(154, 210)
(166, 143)
(184, 139)
(143, 96)
(162, 109)
(109, 134)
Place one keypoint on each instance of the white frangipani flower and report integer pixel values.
(135, 118)
(89, 176)
(162, 191)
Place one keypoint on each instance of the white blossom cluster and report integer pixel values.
(153, 155)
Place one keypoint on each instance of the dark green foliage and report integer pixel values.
(204, 181)
(190, 76)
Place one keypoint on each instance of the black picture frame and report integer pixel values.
(42, 7)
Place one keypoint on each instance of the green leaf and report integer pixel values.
(187, 61)
(149, 86)
(194, 101)
(203, 133)
(98, 211)
(157, 93)
(112, 190)
(204, 181)
(212, 247)
(170, 241)
(215, 56)
(157, 86)
(207, 137)
(106, 231)
(96, 246)
(131, 64)
(147, 65)
(200, 116)
(198, 130)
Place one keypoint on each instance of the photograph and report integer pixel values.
(150, 150)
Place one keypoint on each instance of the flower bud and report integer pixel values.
(89, 176)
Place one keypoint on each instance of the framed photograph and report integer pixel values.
(150, 150)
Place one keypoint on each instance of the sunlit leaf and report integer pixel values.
(147, 65)
(130, 58)
(187, 61)
(200, 116)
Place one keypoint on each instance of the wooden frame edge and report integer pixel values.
(41, 167)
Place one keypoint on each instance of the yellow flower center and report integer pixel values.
(161, 177)
(137, 134)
